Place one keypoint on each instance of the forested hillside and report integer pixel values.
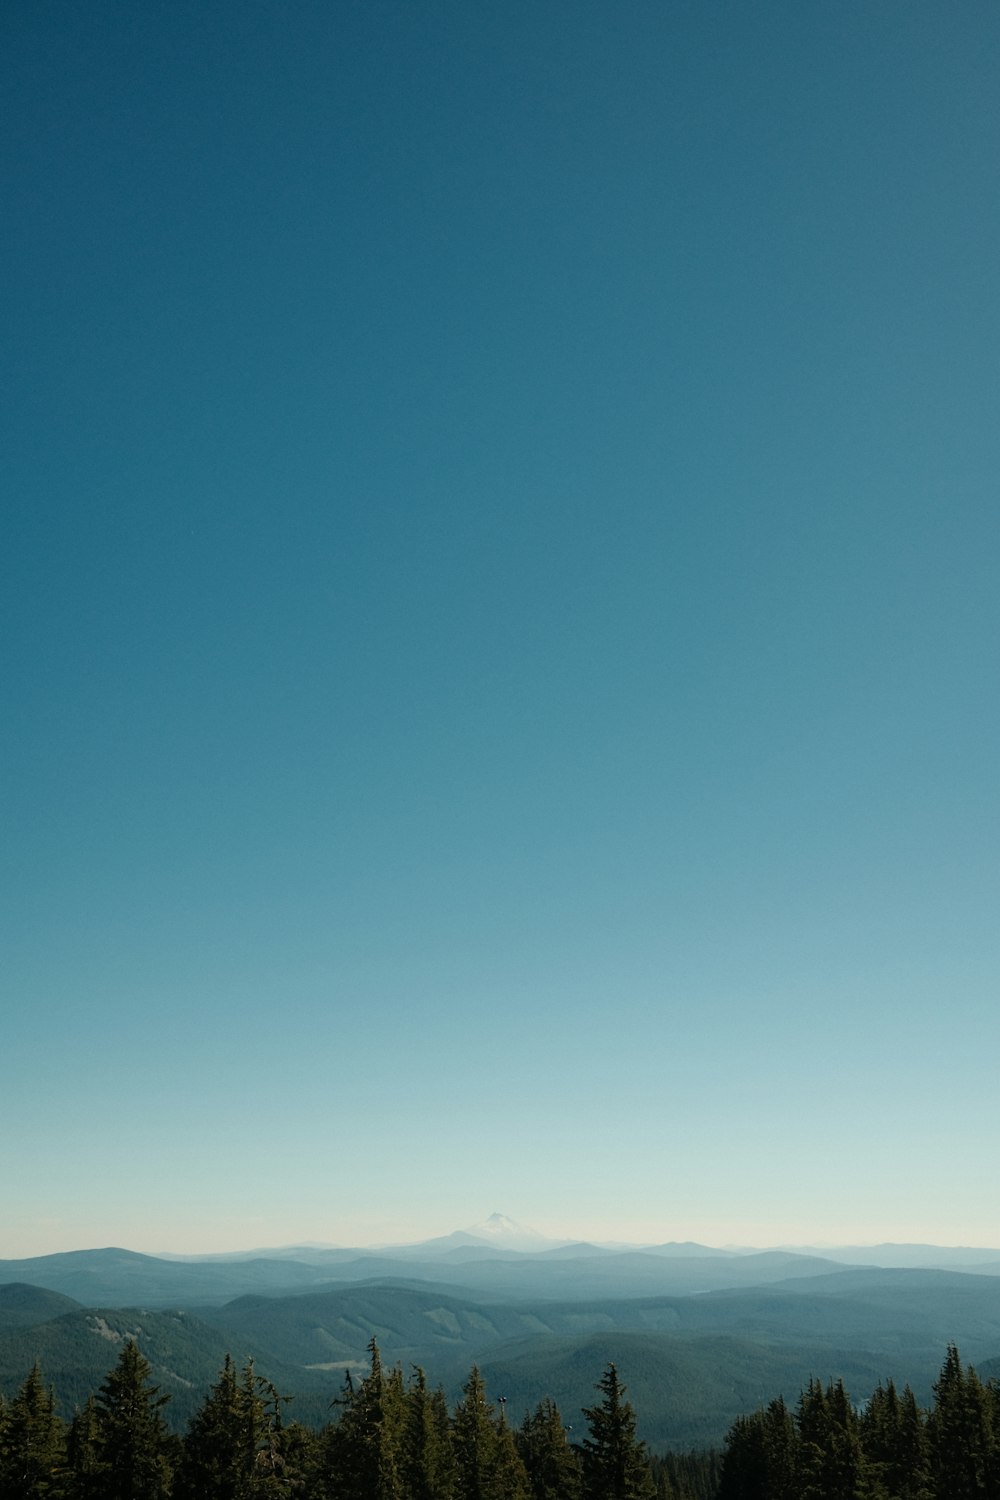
(695, 1362)
(389, 1439)
(826, 1449)
(392, 1437)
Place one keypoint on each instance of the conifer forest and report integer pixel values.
(394, 1437)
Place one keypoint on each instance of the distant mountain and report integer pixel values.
(926, 1257)
(123, 1278)
(77, 1349)
(507, 1234)
(887, 1313)
(22, 1305)
(696, 1344)
(688, 1248)
(493, 1269)
(498, 1234)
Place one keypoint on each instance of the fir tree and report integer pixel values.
(960, 1432)
(362, 1451)
(32, 1444)
(132, 1444)
(830, 1459)
(615, 1463)
(209, 1469)
(486, 1460)
(552, 1464)
(427, 1464)
(235, 1448)
(83, 1454)
(894, 1440)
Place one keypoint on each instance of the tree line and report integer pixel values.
(826, 1448)
(392, 1438)
(389, 1439)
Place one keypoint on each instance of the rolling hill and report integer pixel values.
(699, 1338)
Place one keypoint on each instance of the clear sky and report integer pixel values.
(499, 621)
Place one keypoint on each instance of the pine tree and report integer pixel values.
(235, 1446)
(363, 1448)
(473, 1439)
(32, 1444)
(486, 1459)
(960, 1432)
(83, 1454)
(894, 1441)
(687, 1476)
(552, 1464)
(830, 1459)
(744, 1463)
(553, 1467)
(209, 1468)
(132, 1442)
(508, 1479)
(264, 1467)
(615, 1463)
(427, 1464)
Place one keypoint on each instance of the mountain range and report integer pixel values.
(699, 1334)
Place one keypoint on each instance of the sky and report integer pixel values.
(499, 621)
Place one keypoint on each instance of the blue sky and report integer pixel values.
(500, 621)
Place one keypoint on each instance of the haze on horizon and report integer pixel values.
(500, 622)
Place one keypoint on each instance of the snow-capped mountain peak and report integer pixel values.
(498, 1229)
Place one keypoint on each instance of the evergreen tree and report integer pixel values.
(960, 1433)
(615, 1463)
(473, 1439)
(508, 1479)
(32, 1444)
(363, 1448)
(132, 1443)
(687, 1476)
(761, 1460)
(744, 1465)
(486, 1460)
(235, 1446)
(427, 1464)
(894, 1441)
(552, 1464)
(83, 1454)
(830, 1461)
(264, 1468)
(209, 1468)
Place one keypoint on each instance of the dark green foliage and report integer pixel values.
(487, 1463)
(32, 1444)
(83, 1453)
(761, 1457)
(363, 1448)
(830, 1464)
(75, 1348)
(210, 1464)
(615, 1463)
(394, 1443)
(236, 1447)
(961, 1433)
(132, 1445)
(427, 1461)
(553, 1466)
(891, 1450)
(686, 1476)
(894, 1439)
